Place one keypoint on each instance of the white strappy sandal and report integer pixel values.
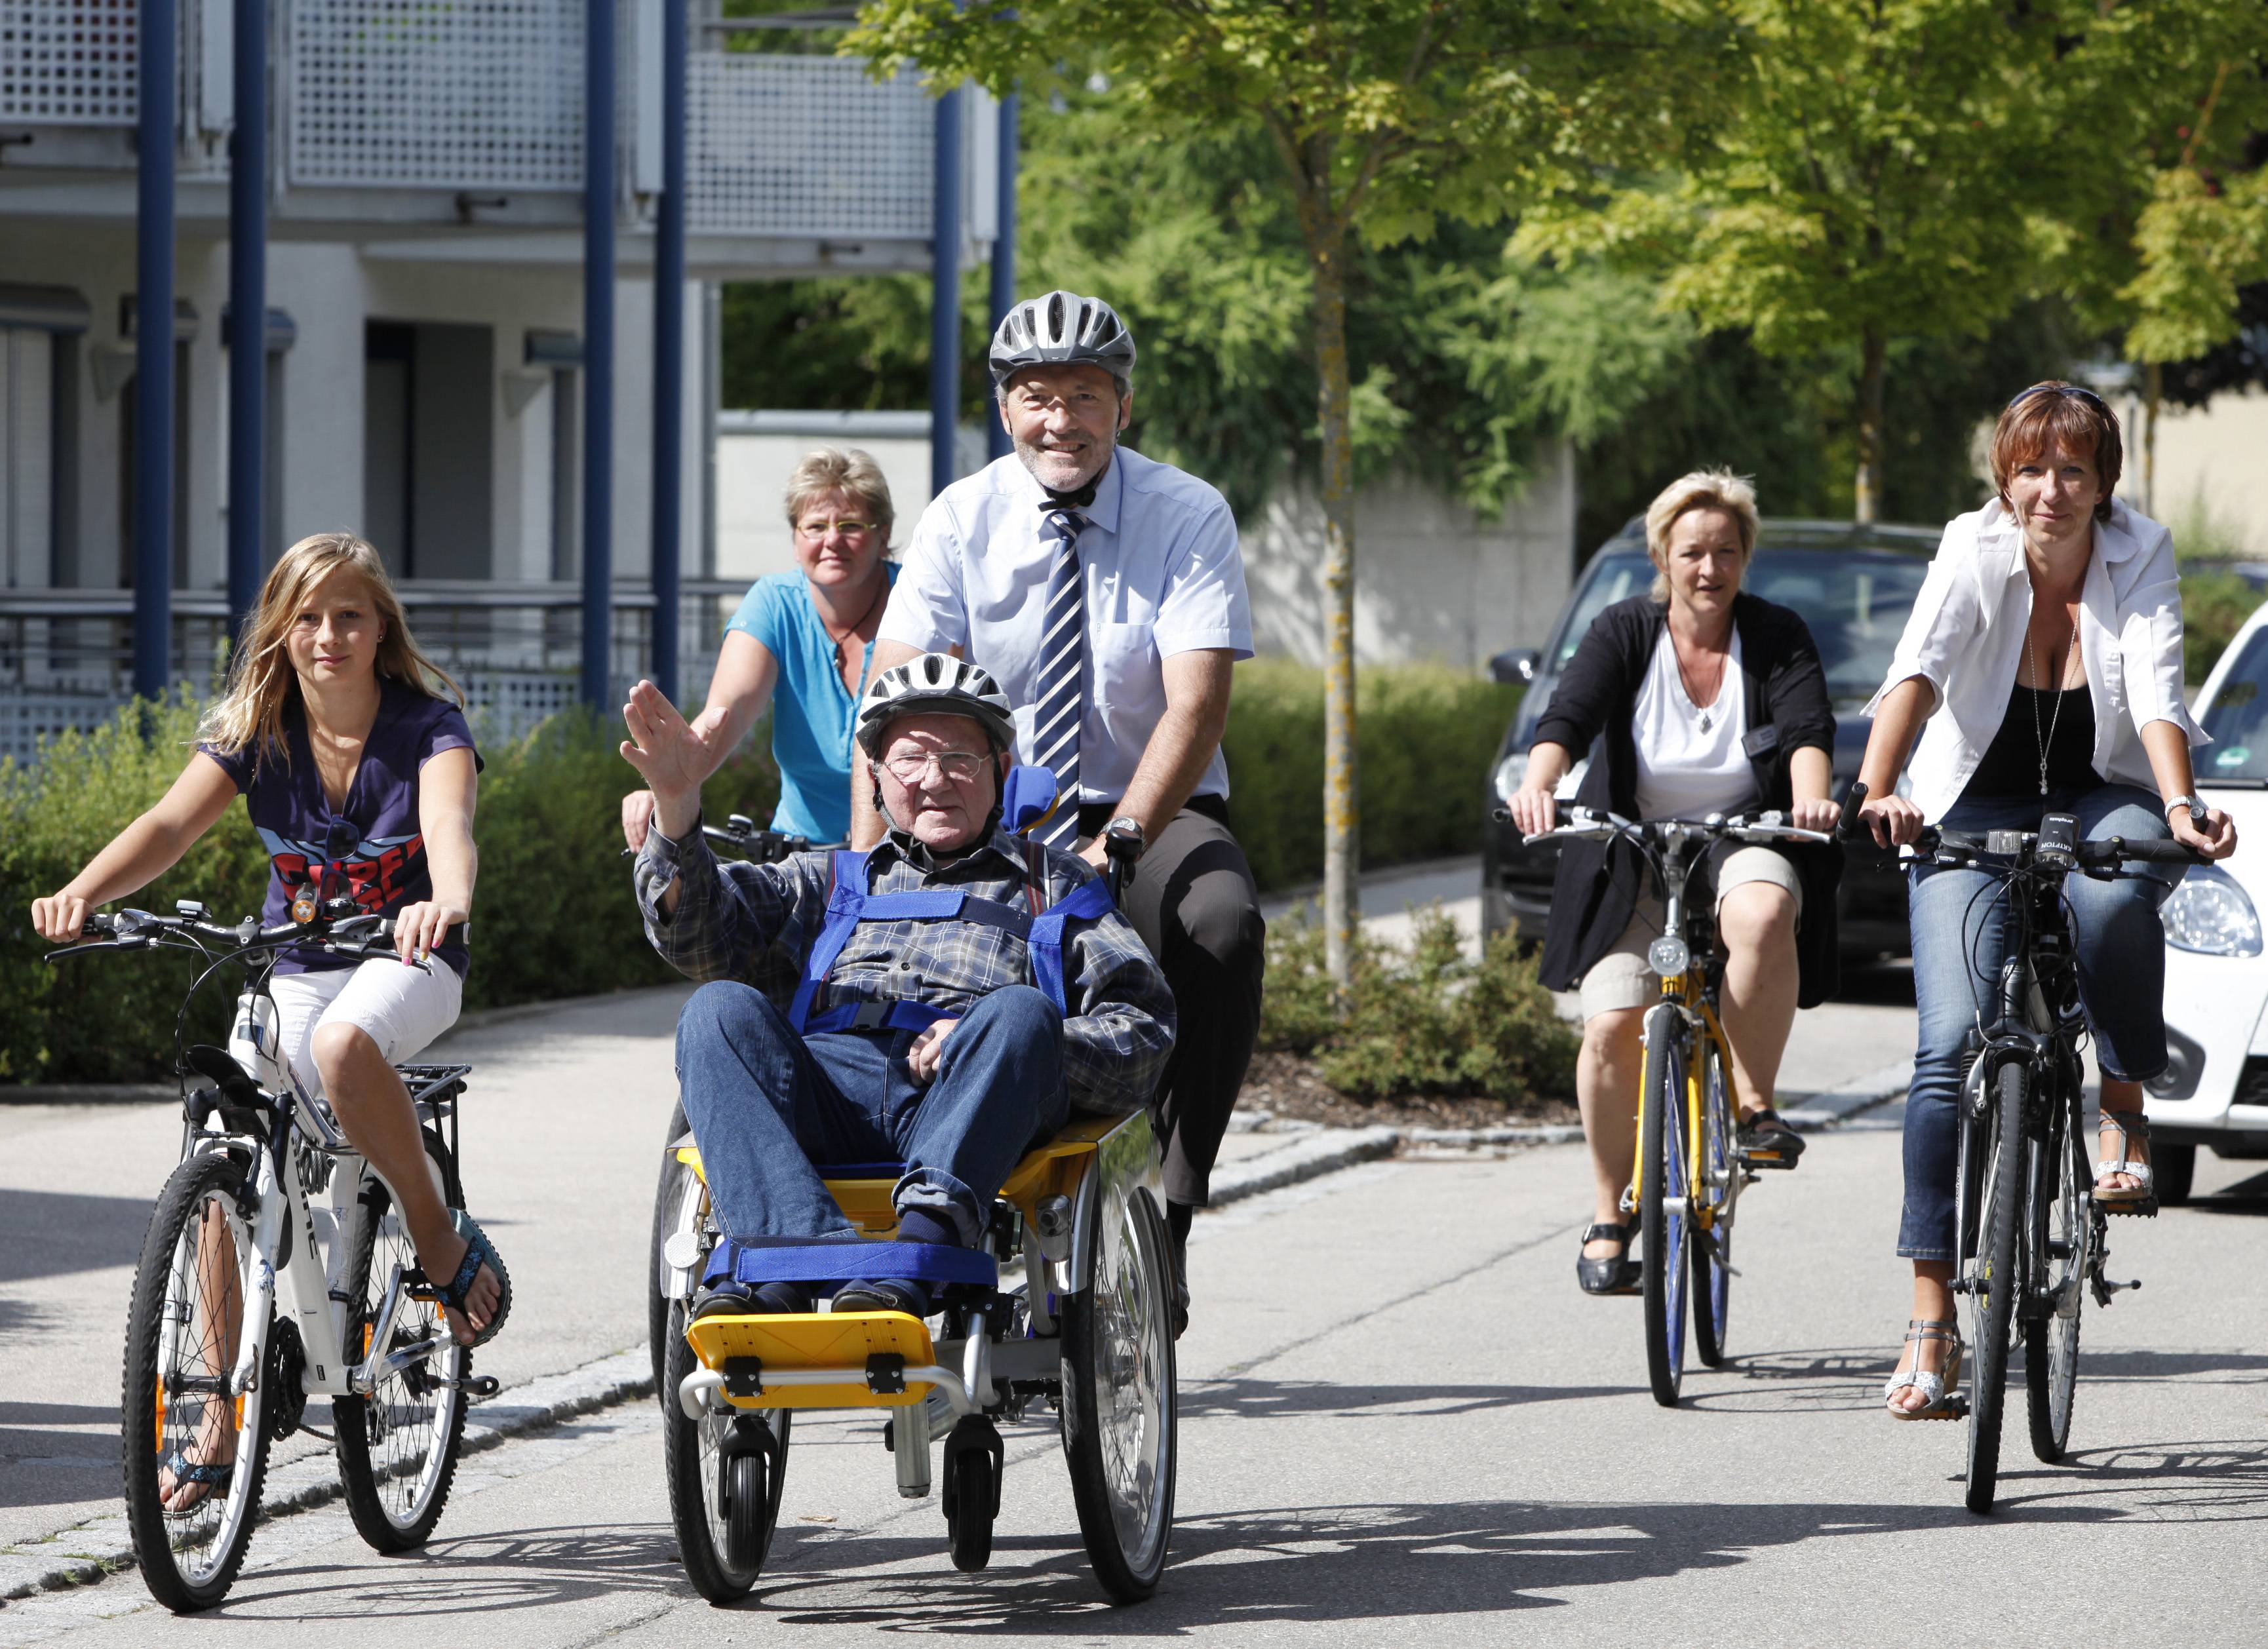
(2131, 1199)
(1937, 1386)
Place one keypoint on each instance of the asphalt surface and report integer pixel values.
(1445, 1444)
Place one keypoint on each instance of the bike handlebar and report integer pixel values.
(1591, 824)
(2022, 846)
(350, 933)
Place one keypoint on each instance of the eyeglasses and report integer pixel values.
(960, 766)
(848, 529)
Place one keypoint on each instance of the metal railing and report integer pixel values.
(66, 656)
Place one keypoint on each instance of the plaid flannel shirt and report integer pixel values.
(758, 922)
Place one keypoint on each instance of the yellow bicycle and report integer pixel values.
(1685, 1183)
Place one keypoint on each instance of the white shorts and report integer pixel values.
(401, 1008)
(1622, 978)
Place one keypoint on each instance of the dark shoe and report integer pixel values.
(895, 1294)
(1613, 1274)
(739, 1300)
(1766, 1141)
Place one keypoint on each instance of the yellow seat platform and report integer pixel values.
(834, 1341)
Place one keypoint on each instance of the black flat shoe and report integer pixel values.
(895, 1294)
(1614, 1273)
(739, 1300)
(1766, 1141)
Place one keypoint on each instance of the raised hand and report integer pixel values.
(669, 755)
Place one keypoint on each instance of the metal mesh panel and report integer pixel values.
(68, 63)
(806, 146)
(436, 93)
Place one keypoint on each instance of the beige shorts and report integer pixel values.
(1622, 979)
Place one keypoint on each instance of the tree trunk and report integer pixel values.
(1867, 496)
(1342, 804)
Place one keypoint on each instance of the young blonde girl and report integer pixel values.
(351, 750)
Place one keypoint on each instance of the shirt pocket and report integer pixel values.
(1126, 667)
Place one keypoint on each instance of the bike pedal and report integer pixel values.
(1767, 1159)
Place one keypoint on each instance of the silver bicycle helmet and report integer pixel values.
(943, 685)
(1062, 329)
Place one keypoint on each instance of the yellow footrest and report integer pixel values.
(816, 1340)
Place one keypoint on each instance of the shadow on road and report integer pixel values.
(1273, 1399)
(53, 1233)
(1347, 1563)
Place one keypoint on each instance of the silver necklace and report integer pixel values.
(2062, 665)
(1703, 711)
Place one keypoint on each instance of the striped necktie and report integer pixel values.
(1061, 700)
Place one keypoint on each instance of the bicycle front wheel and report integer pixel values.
(195, 1452)
(398, 1446)
(1993, 1278)
(1664, 1200)
(725, 1472)
(1717, 1193)
(2061, 1231)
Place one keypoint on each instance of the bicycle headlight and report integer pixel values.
(2210, 913)
(1667, 956)
(1510, 774)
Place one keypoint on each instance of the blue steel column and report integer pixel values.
(669, 352)
(153, 350)
(945, 296)
(598, 351)
(1004, 254)
(248, 308)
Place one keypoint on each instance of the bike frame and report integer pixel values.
(1693, 991)
(305, 1153)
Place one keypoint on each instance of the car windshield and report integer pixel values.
(2237, 719)
(1855, 600)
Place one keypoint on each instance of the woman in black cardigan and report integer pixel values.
(1693, 700)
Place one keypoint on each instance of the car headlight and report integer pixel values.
(2210, 913)
(1510, 774)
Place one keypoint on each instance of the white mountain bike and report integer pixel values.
(275, 1269)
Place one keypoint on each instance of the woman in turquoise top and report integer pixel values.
(810, 634)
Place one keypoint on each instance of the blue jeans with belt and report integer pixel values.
(1961, 935)
(766, 1104)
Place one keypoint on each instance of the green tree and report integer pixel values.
(1387, 117)
(1877, 176)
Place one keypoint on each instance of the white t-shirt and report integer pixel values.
(1691, 759)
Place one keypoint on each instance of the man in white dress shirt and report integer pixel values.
(1104, 592)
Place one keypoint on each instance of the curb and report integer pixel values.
(102, 1546)
(1325, 1150)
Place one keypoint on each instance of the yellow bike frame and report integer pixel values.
(1685, 991)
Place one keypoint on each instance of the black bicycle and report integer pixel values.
(2031, 1241)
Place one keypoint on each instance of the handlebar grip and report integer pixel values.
(2157, 850)
(1853, 799)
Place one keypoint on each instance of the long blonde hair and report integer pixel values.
(249, 713)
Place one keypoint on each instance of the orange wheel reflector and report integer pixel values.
(161, 1420)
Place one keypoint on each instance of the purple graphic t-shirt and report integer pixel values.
(373, 848)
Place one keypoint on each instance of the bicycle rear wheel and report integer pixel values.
(1664, 1200)
(2060, 1230)
(1719, 1192)
(398, 1446)
(182, 1335)
(1994, 1280)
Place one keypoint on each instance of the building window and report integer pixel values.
(39, 332)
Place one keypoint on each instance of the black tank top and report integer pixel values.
(2010, 770)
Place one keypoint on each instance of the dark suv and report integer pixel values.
(1853, 585)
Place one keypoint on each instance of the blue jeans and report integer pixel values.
(767, 1104)
(1960, 937)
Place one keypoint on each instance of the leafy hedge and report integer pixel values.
(554, 917)
(1424, 736)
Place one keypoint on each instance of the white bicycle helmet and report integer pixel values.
(940, 683)
(1062, 329)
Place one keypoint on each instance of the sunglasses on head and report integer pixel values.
(2087, 396)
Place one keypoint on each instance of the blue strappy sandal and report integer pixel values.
(479, 1251)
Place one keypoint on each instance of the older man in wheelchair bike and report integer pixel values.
(944, 1001)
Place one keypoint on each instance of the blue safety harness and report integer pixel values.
(851, 901)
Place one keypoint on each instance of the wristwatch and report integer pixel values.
(2196, 808)
(1126, 828)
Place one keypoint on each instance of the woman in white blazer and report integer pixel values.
(2042, 670)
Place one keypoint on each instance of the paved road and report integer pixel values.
(1447, 1444)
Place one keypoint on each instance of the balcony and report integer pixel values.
(455, 129)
